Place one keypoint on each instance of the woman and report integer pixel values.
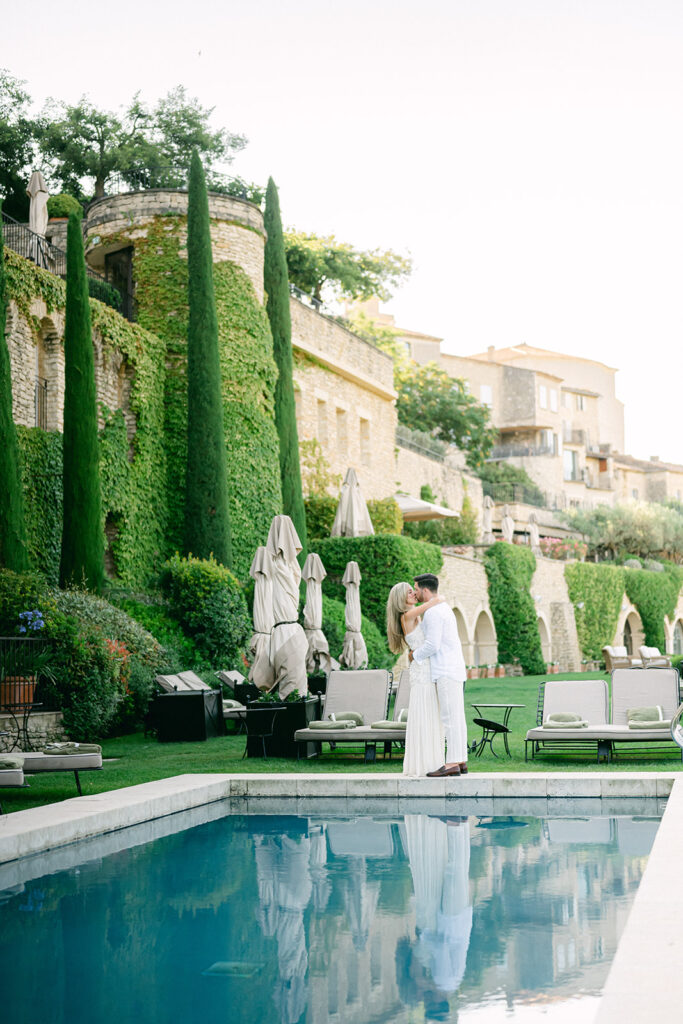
(424, 733)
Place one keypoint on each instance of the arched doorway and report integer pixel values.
(545, 639)
(485, 643)
(633, 636)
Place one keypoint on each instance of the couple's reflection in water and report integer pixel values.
(303, 874)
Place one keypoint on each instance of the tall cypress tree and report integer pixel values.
(13, 550)
(82, 559)
(207, 515)
(276, 286)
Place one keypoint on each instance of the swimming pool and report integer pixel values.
(327, 917)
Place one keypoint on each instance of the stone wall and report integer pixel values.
(43, 727)
(447, 479)
(551, 597)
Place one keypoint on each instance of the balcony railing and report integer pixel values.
(417, 441)
(506, 451)
(50, 257)
(174, 177)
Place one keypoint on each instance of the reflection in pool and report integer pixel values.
(253, 918)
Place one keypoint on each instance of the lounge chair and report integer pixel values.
(37, 762)
(618, 657)
(12, 776)
(652, 658)
(588, 698)
(365, 692)
(190, 682)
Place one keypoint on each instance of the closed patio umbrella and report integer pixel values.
(354, 654)
(352, 518)
(318, 649)
(288, 644)
(262, 673)
(37, 218)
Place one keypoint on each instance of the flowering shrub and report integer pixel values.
(31, 622)
(562, 548)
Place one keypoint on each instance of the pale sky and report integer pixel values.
(528, 154)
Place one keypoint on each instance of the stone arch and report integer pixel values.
(629, 632)
(49, 376)
(485, 641)
(544, 633)
(464, 634)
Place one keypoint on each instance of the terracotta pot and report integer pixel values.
(17, 690)
(491, 672)
(500, 672)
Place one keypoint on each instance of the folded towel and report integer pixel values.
(389, 725)
(8, 761)
(565, 725)
(328, 724)
(350, 716)
(72, 748)
(566, 717)
(658, 723)
(651, 714)
(232, 705)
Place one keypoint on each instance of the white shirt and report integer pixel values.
(441, 644)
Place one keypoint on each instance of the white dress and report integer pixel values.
(424, 732)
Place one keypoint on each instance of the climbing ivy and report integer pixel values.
(596, 591)
(655, 594)
(509, 570)
(41, 458)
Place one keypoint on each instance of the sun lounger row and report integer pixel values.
(57, 757)
(573, 712)
(362, 699)
(190, 682)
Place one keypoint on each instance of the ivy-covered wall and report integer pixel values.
(655, 594)
(248, 378)
(509, 570)
(596, 591)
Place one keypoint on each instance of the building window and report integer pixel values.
(580, 403)
(566, 404)
(543, 396)
(553, 400)
(322, 422)
(486, 395)
(570, 464)
(634, 494)
(365, 448)
(342, 435)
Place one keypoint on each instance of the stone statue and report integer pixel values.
(507, 525)
(487, 516)
(534, 536)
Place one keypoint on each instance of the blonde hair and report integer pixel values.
(396, 606)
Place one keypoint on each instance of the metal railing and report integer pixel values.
(308, 300)
(505, 451)
(50, 257)
(140, 179)
(41, 403)
(508, 493)
(425, 444)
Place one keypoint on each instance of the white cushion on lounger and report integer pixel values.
(35, 761)
(11, 777)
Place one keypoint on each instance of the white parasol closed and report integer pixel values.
(355, 653)
(37, 213)
(288, 644)
(261, 673)
(318, 648)
(352, 518)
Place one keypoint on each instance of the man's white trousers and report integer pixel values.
(451, 694)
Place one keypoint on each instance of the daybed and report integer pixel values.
(588, 699)
(366, 693)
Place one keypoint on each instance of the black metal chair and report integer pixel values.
(489, 732)
(259, 724)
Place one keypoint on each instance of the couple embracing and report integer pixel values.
(418, 618)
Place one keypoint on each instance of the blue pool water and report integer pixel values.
(288, 919)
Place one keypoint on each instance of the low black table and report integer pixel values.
(489, 729)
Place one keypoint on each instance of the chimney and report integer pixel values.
(491, 350)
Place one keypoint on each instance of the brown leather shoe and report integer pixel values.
(438, 773)
(455, 770)
(463, 768)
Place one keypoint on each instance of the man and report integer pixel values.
(442, 647)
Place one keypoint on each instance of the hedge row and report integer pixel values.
(509, 569)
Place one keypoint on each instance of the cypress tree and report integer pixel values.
(207, 515)
(82, 559)
(276, 286)
(13, 549)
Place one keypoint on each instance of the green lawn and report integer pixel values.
(136, 759)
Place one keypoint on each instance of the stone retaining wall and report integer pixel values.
(43, 727)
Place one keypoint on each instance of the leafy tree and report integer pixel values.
(637, 529)
(82, 559)
(446, 532)
(504, 482)
(316, 476)
(17, 149)
(315, 262)
(383, 337)
(207, 517)
(13, 548)
(155, 144)
(277, 306)
(431, 401)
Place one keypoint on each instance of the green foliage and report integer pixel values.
(321, 509)
(385, 514)
(41, 460)
(209, 603)
(379, 335)
(655, 595)
(446, 532)
(207, 514)
(17, 148)
(180, 651)
(13, 545)
(276, 286)
(509, 570)
(334, 629)
(82, 558)
(504, 482)
(19, 592)
(248, 383)
(62, 205)
(314, 262)
(599, 590)
(641, 529)
(105, 292)
(316, 478)
(430, 400)
(384, 560)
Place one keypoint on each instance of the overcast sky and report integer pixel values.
(528, 154)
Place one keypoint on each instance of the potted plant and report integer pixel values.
(22, 659)
(490, 671)
(500, 671)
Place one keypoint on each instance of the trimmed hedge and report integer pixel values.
(509, 570)
(384, 560)
(600, 589)
(655, 595)
(321, 509)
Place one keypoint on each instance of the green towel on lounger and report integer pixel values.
(651, 714)
(657, 723)
(349, 716)
(389, 725)
(72, 748)
(565, 720)
(9, 761)
(328, 724)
